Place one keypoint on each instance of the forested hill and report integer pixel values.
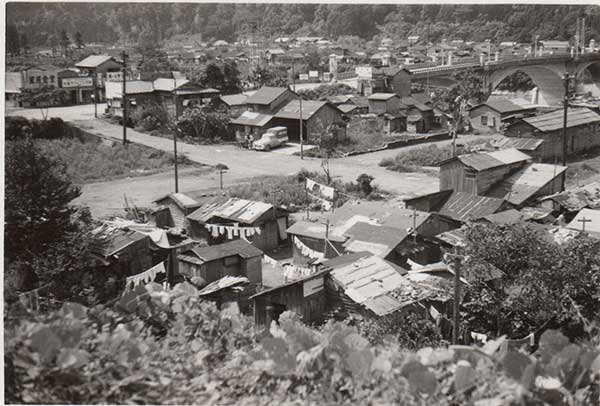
(42, 23)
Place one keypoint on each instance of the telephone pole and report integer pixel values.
(456, 261)
(565, 107)
(300, 103)
(124, 97)
(175, 153)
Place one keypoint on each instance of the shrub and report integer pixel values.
(150, 117)
(19, 127)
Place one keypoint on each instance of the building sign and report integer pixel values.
(303, 76)
(313, 74)
(114, 76)
(77, 82)
(313, 286)
(364, 72)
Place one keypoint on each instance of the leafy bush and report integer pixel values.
(324, 91)
(150, 117)
(17, 128)
(172, 348)
(203, 124)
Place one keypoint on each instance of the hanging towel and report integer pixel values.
(258, 230)
(229, 233)
(310, 184)
(221, 230)
(327, 192)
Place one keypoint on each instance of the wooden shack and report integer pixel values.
(233, 258)
(260, 223)
(476, 173)
(306, 297)
(179, 205)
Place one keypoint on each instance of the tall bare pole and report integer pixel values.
(95, 83)
(565, 107)
(175, 154)
(124, 97)
(300, 104)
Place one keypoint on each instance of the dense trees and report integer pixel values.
(126, 22)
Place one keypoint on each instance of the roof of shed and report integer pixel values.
(410, 101)
(554, 120)
(502, 105)
(379, 240)
(578, 198)
(93, 61)
(386, 213)
(313, 230)
(382, 96)
(234, 209)
(525, 183)
(109, 240)
(510, 216)
(266, 95)
(228, 249)
(466, 206)
(526, 144)
(482, 161)
(168, 85)
(235, 99)
(180, 199)
(309, 108)
(347, 108)
(592, 226)
(253, 119)
(293, 282)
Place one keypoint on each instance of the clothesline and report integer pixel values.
(144, 277)
(217, 230)
(307, 251)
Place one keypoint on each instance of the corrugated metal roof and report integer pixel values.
(465, 206)
(234, 209)
(382, 96)
(481, 161)
(502, 105)
(313, 230)
(228, 249)
(521, 186)
(410, 101)
(253, 119)
(579, 198)
(386, 213)
(366, 280)
(109, 240)
(266, 95)
(168, 85)
(592, 226)
(347, 108)
(13, 82)
(180, 199)
(309, 108)
(554, 120)
(523, 144)
(511, 216)
(93, 61)
(453, 237)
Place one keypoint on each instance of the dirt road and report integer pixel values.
(242, 164)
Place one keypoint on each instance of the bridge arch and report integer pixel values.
(547, 78)
(593, 68)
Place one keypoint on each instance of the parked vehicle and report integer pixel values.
(273, 138)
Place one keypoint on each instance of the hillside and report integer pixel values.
(41, 23)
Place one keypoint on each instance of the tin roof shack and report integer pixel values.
(381, 103)
(260, 223)
(179, 205)
(489, 116)
(309, 243)
(124, 251)
(316, 117)
(573, 200)
(306, 297)
(250, 123)
(421, 117)
(234, 103)
(138, 93)
(587, 220)
(529, 146)
(178, 94)
(268, 100)
(530, 183)
(583, 127)
(477, 173)
(213, 262)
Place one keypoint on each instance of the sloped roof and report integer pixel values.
(234, 99)
(313, 230)
(360, 101)
(347, 108)
(578, 198)
(234, 209)
(93, 61)
(13, 82)
(180, 199)
(228, 249)
(379, 240)
(522, 185)
(309, 108)
(554, 120)
(266, 95)
(369, 282)
(465, 206)
(409, 101)
(592, 226)
(386, 213)
(168, 85)
(253, 119)
(510, 216)
(109, 240)
(502, 105)
(524, 144)
(453, 237)
(482, 161)
(382, 96)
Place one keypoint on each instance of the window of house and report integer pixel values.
(52, 78)
(31, 80)
(45, 79)
(484, 120)
(38, 79)
(494, 122)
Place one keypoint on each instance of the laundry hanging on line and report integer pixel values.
(217, 230)
(144, 277)
(307, 251)
(320, 191)
(326, 204)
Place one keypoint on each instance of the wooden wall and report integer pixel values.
(491, 114)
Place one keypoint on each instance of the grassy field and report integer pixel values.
(92, 161)
(431, 155)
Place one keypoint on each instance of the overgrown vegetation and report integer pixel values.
(290, 191)
(204, 124)
(171, 348)
(324, 91)
(150, 117)
(430, 155)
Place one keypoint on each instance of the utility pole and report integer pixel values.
(414, 227)
(175, 153)
(307, 201)
(95, 83)
(456, 260)
(584, 220)
(221, 170)
(326, 239)
(300, 103)
(565, 107)
(124, 97)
